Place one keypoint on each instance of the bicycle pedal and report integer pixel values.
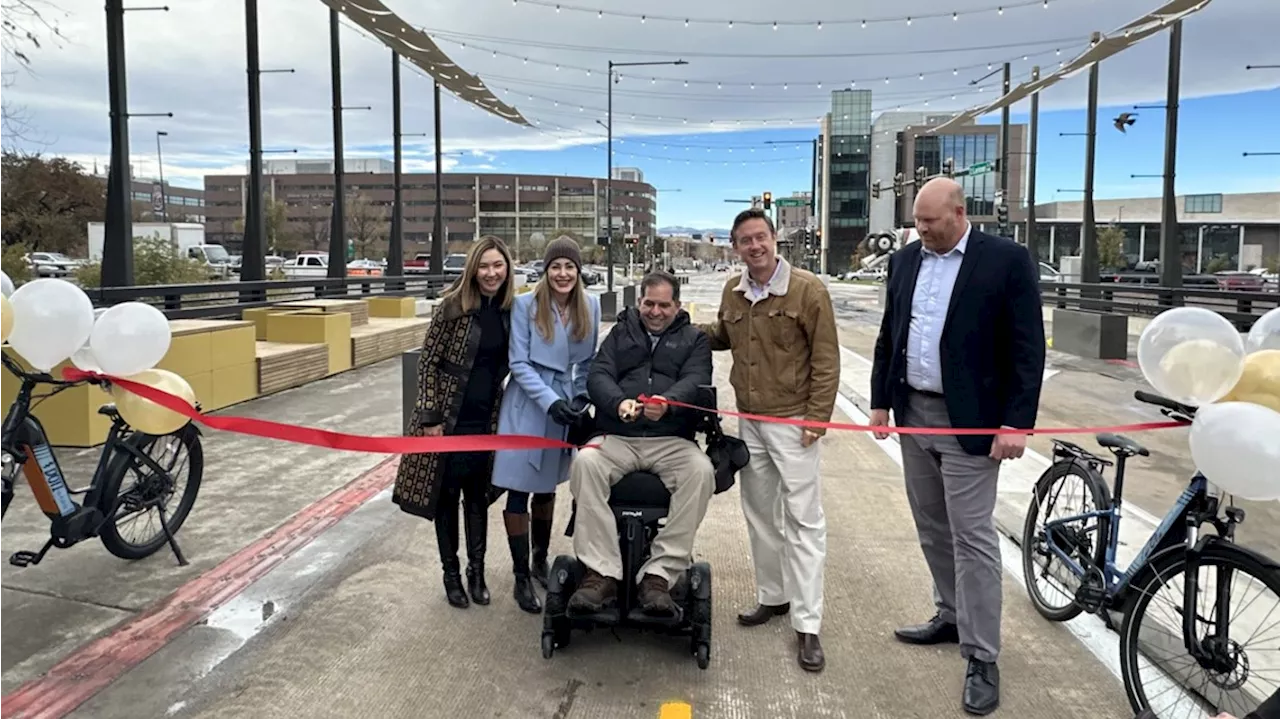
(24, 558)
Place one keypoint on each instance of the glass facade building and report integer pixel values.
(965, 150)
(845, 185)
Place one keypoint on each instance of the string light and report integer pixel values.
(685, 82)
(775, 24)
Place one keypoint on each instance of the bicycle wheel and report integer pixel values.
(128, 505)
(1085, 539)
(1159, 672)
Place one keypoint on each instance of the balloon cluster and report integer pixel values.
(1196, 357)
(48, 321)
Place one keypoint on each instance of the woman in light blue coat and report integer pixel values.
(554, 333)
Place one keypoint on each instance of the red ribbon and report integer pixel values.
(499, 442)
(645, 399)
(324, 437)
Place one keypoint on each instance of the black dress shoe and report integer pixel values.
(981, 688)
(761, 614)
(810, 656)
(934, 631)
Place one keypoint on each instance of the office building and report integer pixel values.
(521, 210)
(843, 184)
(153, 202)
(1218, 232)
(628, 174)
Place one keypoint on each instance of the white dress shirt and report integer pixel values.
(934, 285)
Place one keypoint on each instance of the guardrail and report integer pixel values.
(1241, 308)
(218, 300)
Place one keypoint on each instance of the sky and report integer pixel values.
(698, 131)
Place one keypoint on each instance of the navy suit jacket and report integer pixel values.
(992, 352)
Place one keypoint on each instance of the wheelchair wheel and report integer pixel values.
(703, 655)
(548, 645)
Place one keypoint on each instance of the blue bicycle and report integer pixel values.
(1179, 651)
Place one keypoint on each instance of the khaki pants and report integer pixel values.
(688, 475)
(782, 500)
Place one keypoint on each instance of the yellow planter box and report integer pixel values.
(70, 418)
(233, 385)
(398, 307)
(331, 329)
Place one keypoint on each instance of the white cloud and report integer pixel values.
(191, 60)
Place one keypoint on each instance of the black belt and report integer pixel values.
(926, 393)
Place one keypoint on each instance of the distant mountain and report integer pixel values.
(720, 233)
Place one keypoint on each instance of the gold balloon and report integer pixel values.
(6, 318)
(1260, 383)
(147, 416)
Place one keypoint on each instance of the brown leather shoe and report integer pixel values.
(810, 655)
(594, 594)
(655, 597)
(762, 613)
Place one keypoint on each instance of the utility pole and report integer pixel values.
(1004, 152)
(1033, 240)
(1088, 227)
(1170, 236)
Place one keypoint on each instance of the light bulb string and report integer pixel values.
(863, 21)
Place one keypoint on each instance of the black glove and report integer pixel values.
(561, 414)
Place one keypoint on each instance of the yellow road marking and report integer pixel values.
(676, 710)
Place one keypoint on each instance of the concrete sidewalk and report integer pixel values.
(375, 638)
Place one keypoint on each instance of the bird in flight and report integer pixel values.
(1125, 118)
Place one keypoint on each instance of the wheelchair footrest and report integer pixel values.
(637, 616)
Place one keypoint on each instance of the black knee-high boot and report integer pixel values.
(477, 526)
(446, 522)
(518, 540)
(542, 516)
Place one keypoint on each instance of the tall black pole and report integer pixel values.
(338, 222)
(437, 242)
(811, 232)
(395, 250)
(608, 184)
(1170, 236)
(1088, 228)
(1033, 241)
(1005, 230)
(253, 249)
(117, 243)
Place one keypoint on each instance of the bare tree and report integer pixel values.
(315, 228)
(366, 223)
(24, 24)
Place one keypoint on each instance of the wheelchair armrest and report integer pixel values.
(706, 396)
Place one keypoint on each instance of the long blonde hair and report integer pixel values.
(466, 289)
(544, 313)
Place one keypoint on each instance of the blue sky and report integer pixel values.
(551, 66)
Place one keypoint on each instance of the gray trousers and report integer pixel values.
(953, 499)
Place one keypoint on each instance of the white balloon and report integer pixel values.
(83, 357)
(1235, 445)
(1192, 355)
(1265, 333)
(51, 320)
(129, 338)
(6, 285)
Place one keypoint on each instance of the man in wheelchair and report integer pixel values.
(652, 350)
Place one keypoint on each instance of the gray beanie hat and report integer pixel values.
(562, 247)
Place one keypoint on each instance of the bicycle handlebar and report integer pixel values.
(38, 377)
(1165, 402)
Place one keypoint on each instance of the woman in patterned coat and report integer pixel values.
(460, 374)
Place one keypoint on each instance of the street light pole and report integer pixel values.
(608, 181)
(164, 201)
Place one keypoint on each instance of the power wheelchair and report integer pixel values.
(640, 502)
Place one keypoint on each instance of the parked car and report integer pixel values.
(51, 264)
(1239, 281)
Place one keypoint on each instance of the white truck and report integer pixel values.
(187, 239)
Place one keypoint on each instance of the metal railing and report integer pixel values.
(227, 300)
(1242, 309)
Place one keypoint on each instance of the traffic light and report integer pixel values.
(921, 173)
(899, 180)
(768, 200)
(875, 190)
(1002, 215)
(949, 167)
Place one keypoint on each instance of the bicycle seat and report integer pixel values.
(1121, 445)
(108, 409)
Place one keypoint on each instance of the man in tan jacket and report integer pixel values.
(780, 325)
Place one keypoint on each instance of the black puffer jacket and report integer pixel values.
(625, 367)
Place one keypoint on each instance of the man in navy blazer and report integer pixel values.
(961, 345)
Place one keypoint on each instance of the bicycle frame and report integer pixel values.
(1116, 582)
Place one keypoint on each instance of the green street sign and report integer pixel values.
(980, 168)
(791, 202)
